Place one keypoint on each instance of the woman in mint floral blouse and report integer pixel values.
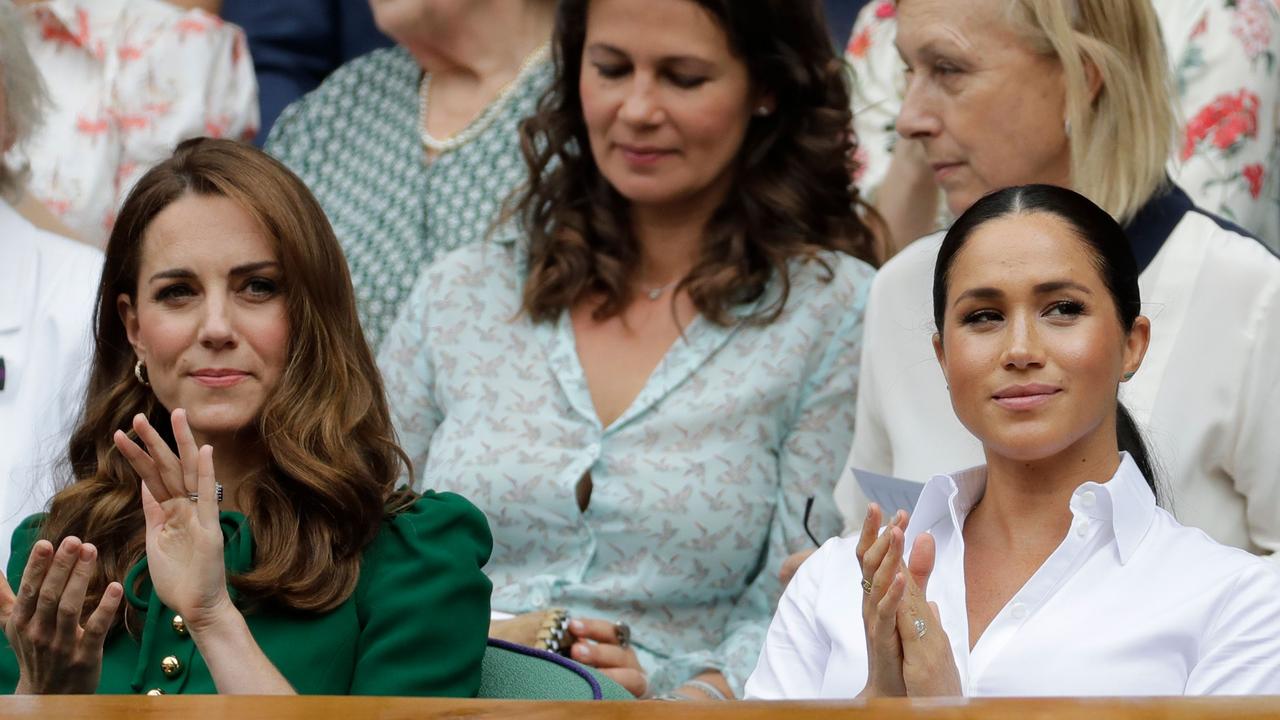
(644, 385)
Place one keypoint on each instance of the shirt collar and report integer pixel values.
(1155, 221)
(1125, 501)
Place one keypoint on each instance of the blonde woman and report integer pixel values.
(1226, 90)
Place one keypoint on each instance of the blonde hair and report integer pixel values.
(23, 90)
(1122, 139)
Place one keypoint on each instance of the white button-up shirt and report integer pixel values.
(1131, 603)
(48, 286)
(1207, 396)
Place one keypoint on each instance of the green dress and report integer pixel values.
(355, 141)
(416, 624)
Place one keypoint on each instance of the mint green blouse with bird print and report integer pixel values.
(699, 488)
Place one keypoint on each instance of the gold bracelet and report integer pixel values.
(554, 635)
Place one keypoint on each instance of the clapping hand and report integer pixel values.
(908, 652)
(880, 557)
(57, 653)
(928, 665)
(184, 538)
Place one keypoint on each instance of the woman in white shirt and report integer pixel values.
(1008, 92)
(1051, 570)
(47, 286)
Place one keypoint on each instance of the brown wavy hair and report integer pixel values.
(334, 460)
(792, 197)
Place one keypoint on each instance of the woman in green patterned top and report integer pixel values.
(225, 320)
(412, 149)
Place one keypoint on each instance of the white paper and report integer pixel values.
(890, 493)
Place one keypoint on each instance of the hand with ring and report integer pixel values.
(184, 538)
(928, 665)
(607, 646)
(880, 558)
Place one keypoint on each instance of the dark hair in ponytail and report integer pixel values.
(1112, 257)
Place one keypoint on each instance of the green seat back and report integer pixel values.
(515, 672)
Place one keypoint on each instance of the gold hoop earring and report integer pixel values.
(140, 372)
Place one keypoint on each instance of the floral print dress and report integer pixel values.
(129, 80)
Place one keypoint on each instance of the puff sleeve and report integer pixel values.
(423, 602)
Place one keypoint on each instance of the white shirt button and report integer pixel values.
(1088, 498)
(1082, 528)
(1018, 611)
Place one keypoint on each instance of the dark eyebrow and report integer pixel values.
(254, 267)
(174, 274)
(606, 47)
(667, 59)
(186, 274)
(982, 293)
(1055, 285)
(1044, 288)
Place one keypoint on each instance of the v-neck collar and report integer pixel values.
(699, 342)
(1124, 505)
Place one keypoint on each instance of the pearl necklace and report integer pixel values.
(478, 125)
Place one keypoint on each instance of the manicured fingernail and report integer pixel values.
(582, 651)
(577, 627)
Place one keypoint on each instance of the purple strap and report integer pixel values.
(596, 692)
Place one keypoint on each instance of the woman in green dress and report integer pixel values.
(233, 525)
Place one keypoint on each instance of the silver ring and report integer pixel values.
(921, 628)
(623, 631)
(193, 497)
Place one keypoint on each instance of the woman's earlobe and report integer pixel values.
(1093, 77)
(1138, 340)
(940, 355)
(129, 319)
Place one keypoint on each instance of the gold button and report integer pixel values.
(179, 625)
(170, 666)
(155, 691)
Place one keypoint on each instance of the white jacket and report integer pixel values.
(48, 285)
